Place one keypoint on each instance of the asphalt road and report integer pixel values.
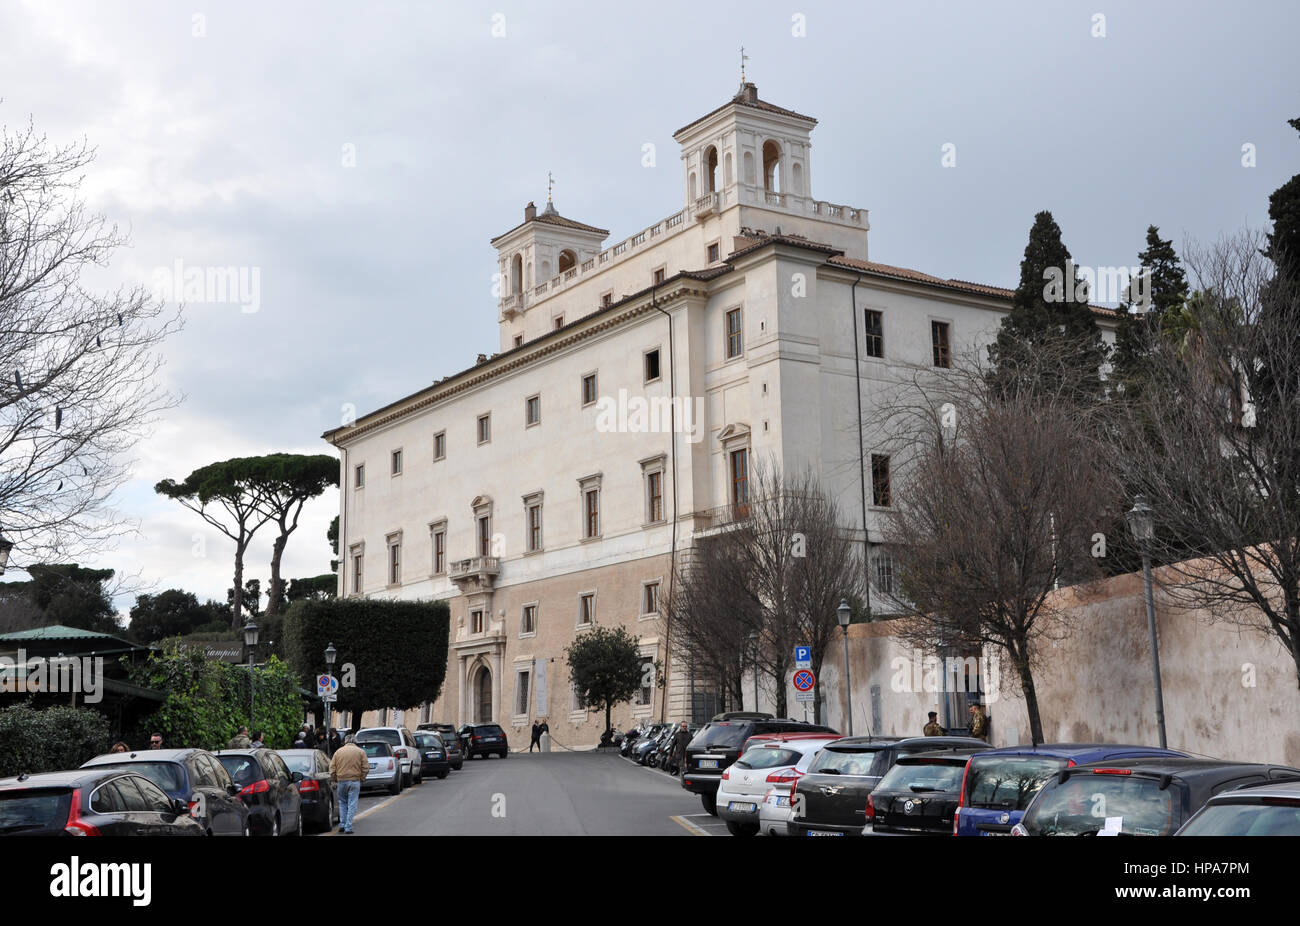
(539, 794)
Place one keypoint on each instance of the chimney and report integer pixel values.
(530, 212)
(748, 93)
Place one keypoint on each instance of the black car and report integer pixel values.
(91, 802)
(268, 788)
(484, 739)
(1136, 797)
(831, 800)
(919, 795)
(433, 754)
(190, 775)
(450, 739)
(319, 793)
(718, 745)
(1265, 810)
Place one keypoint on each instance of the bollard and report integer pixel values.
(546, 741)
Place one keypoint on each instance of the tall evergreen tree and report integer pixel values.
(1139, 324)
(1049, 309)
(1284, 211)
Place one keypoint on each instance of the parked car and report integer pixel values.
(484, 739)
(385, 768)
(1264, 810)
(719, 744)
(267, 788)
(91, 802)
(404, 748)
(831, 800)
(1000, 783)
(451, 740)
(190, 775)
(744, 785)
(1136, 797)
(433, 754)
(319, 792)
(918, 796)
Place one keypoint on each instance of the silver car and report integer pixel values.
(385, 768)
(404, 748)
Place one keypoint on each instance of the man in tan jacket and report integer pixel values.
(348, 769)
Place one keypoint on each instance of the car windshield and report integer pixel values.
(489, 729)
(923, 776)
(1246, 820)
(243, 769)
(1086, 803)
(30, 810)
(768, 757)
(391, 737)
(721, 736)
(298, 763)
(1008, 782)
(428, 740)
(167, 775)
(862, 762)
(376, 750)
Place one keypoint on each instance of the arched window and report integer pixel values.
(690, 187)
(711, 169)
(749, 168)
(796, 179)
(727, 174)
(567, 260)
(516, 275)
(771, 167)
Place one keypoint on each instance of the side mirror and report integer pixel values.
(180, 807)
(297, 777)
(232, 789)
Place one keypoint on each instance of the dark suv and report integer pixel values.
(719, 744)
(484, 739)
(450, 739)
(919, 795)
(831, 800)
(190, 775)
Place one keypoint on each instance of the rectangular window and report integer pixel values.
(586, 609)
(559, 321)
(440, 445)
(577, 701)
(654, 484)
(713, 252)
(880, 492)
(650, 598)
(358, 558)
(735, 338)
(395, 561)
(359, 476)
(476, 622)
(659, 275)
(397, 463)
(589, 389)
(591, 513)
(651, 365)
(484, 535)
(439, 551)
(484, 428)
(740, 483)
(519, 340)
(646, 691)
(875, 325)
(521, 692)
(939, 342)
(532, 410)
(607, 299)
(534, 515)
(884, 573)
(528, 622)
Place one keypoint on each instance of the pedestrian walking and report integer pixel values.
(348, 769)
(537, 737)
(335, 741)
(979, 722)
(681, 739)
(240, 740)
(308, 736)
(932, 728)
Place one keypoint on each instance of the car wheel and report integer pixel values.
(442, 775)
(298, 830)
(396, 787)
(710, 803)
(335, 817)
(742, 829)
(505, 754)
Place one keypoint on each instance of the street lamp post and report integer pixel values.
(330, 655)
(1141, 522)
(843, 614)
(250, 640)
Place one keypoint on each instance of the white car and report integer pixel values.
(766, 767)
(404, 746)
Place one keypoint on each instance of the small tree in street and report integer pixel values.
(605, 666)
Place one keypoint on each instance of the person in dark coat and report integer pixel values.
(681, 739)
(537, 737)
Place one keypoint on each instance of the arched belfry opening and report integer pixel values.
(711, 169)
(568, 260)
(771, 167)
(517, 275)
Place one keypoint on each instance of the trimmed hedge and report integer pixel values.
(49, 739)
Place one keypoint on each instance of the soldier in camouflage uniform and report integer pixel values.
(932, 728)
(979, 723)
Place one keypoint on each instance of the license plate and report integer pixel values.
(431, 755)
(708, 763)
(821, 833)
(741, 807)
(373, 766)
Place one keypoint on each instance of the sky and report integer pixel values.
(359, 158)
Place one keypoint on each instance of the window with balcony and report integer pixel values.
(484, 522)
(438, 537)
(740, 482)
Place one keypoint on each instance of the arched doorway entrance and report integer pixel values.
(483, 696)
